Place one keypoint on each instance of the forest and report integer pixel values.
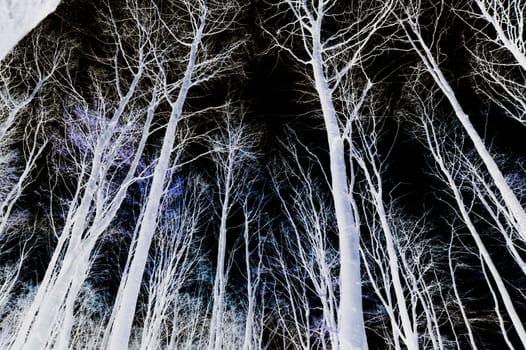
(262, 174)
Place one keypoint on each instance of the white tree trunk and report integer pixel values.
(78, 238)
(434, 144)
(125, 313)
(461, 307)
(216, 323)
(248, 341)
(513, 40)
(351, 332)
(40, 327)
(509, 198)
(409, 335)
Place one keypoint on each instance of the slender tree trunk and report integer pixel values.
(509, 198)
(459, 300)
(409, 336)
(351, 332)
(249, 321)
(216, 323)
(48, 311)
(512, 47)
(485, 255)
(121, 331)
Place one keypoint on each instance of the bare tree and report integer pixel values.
(507, 19)
(308, 266)
(177, 251)
(367, 157)
(332, 57)
(110, 142)
(448, 157)
(499, 52)
(24, 79)
(202, 19)
(255, 224)
(234, 149)
(413, 29)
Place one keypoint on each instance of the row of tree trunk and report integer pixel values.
(323, 249)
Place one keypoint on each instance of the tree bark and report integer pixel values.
(351, 332)
(124, 316)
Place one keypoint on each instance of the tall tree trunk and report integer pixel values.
(122, 325)
(517, 323)
(216, 323)
(351, 332)
(509, 198)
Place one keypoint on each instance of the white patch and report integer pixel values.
(18, 18)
